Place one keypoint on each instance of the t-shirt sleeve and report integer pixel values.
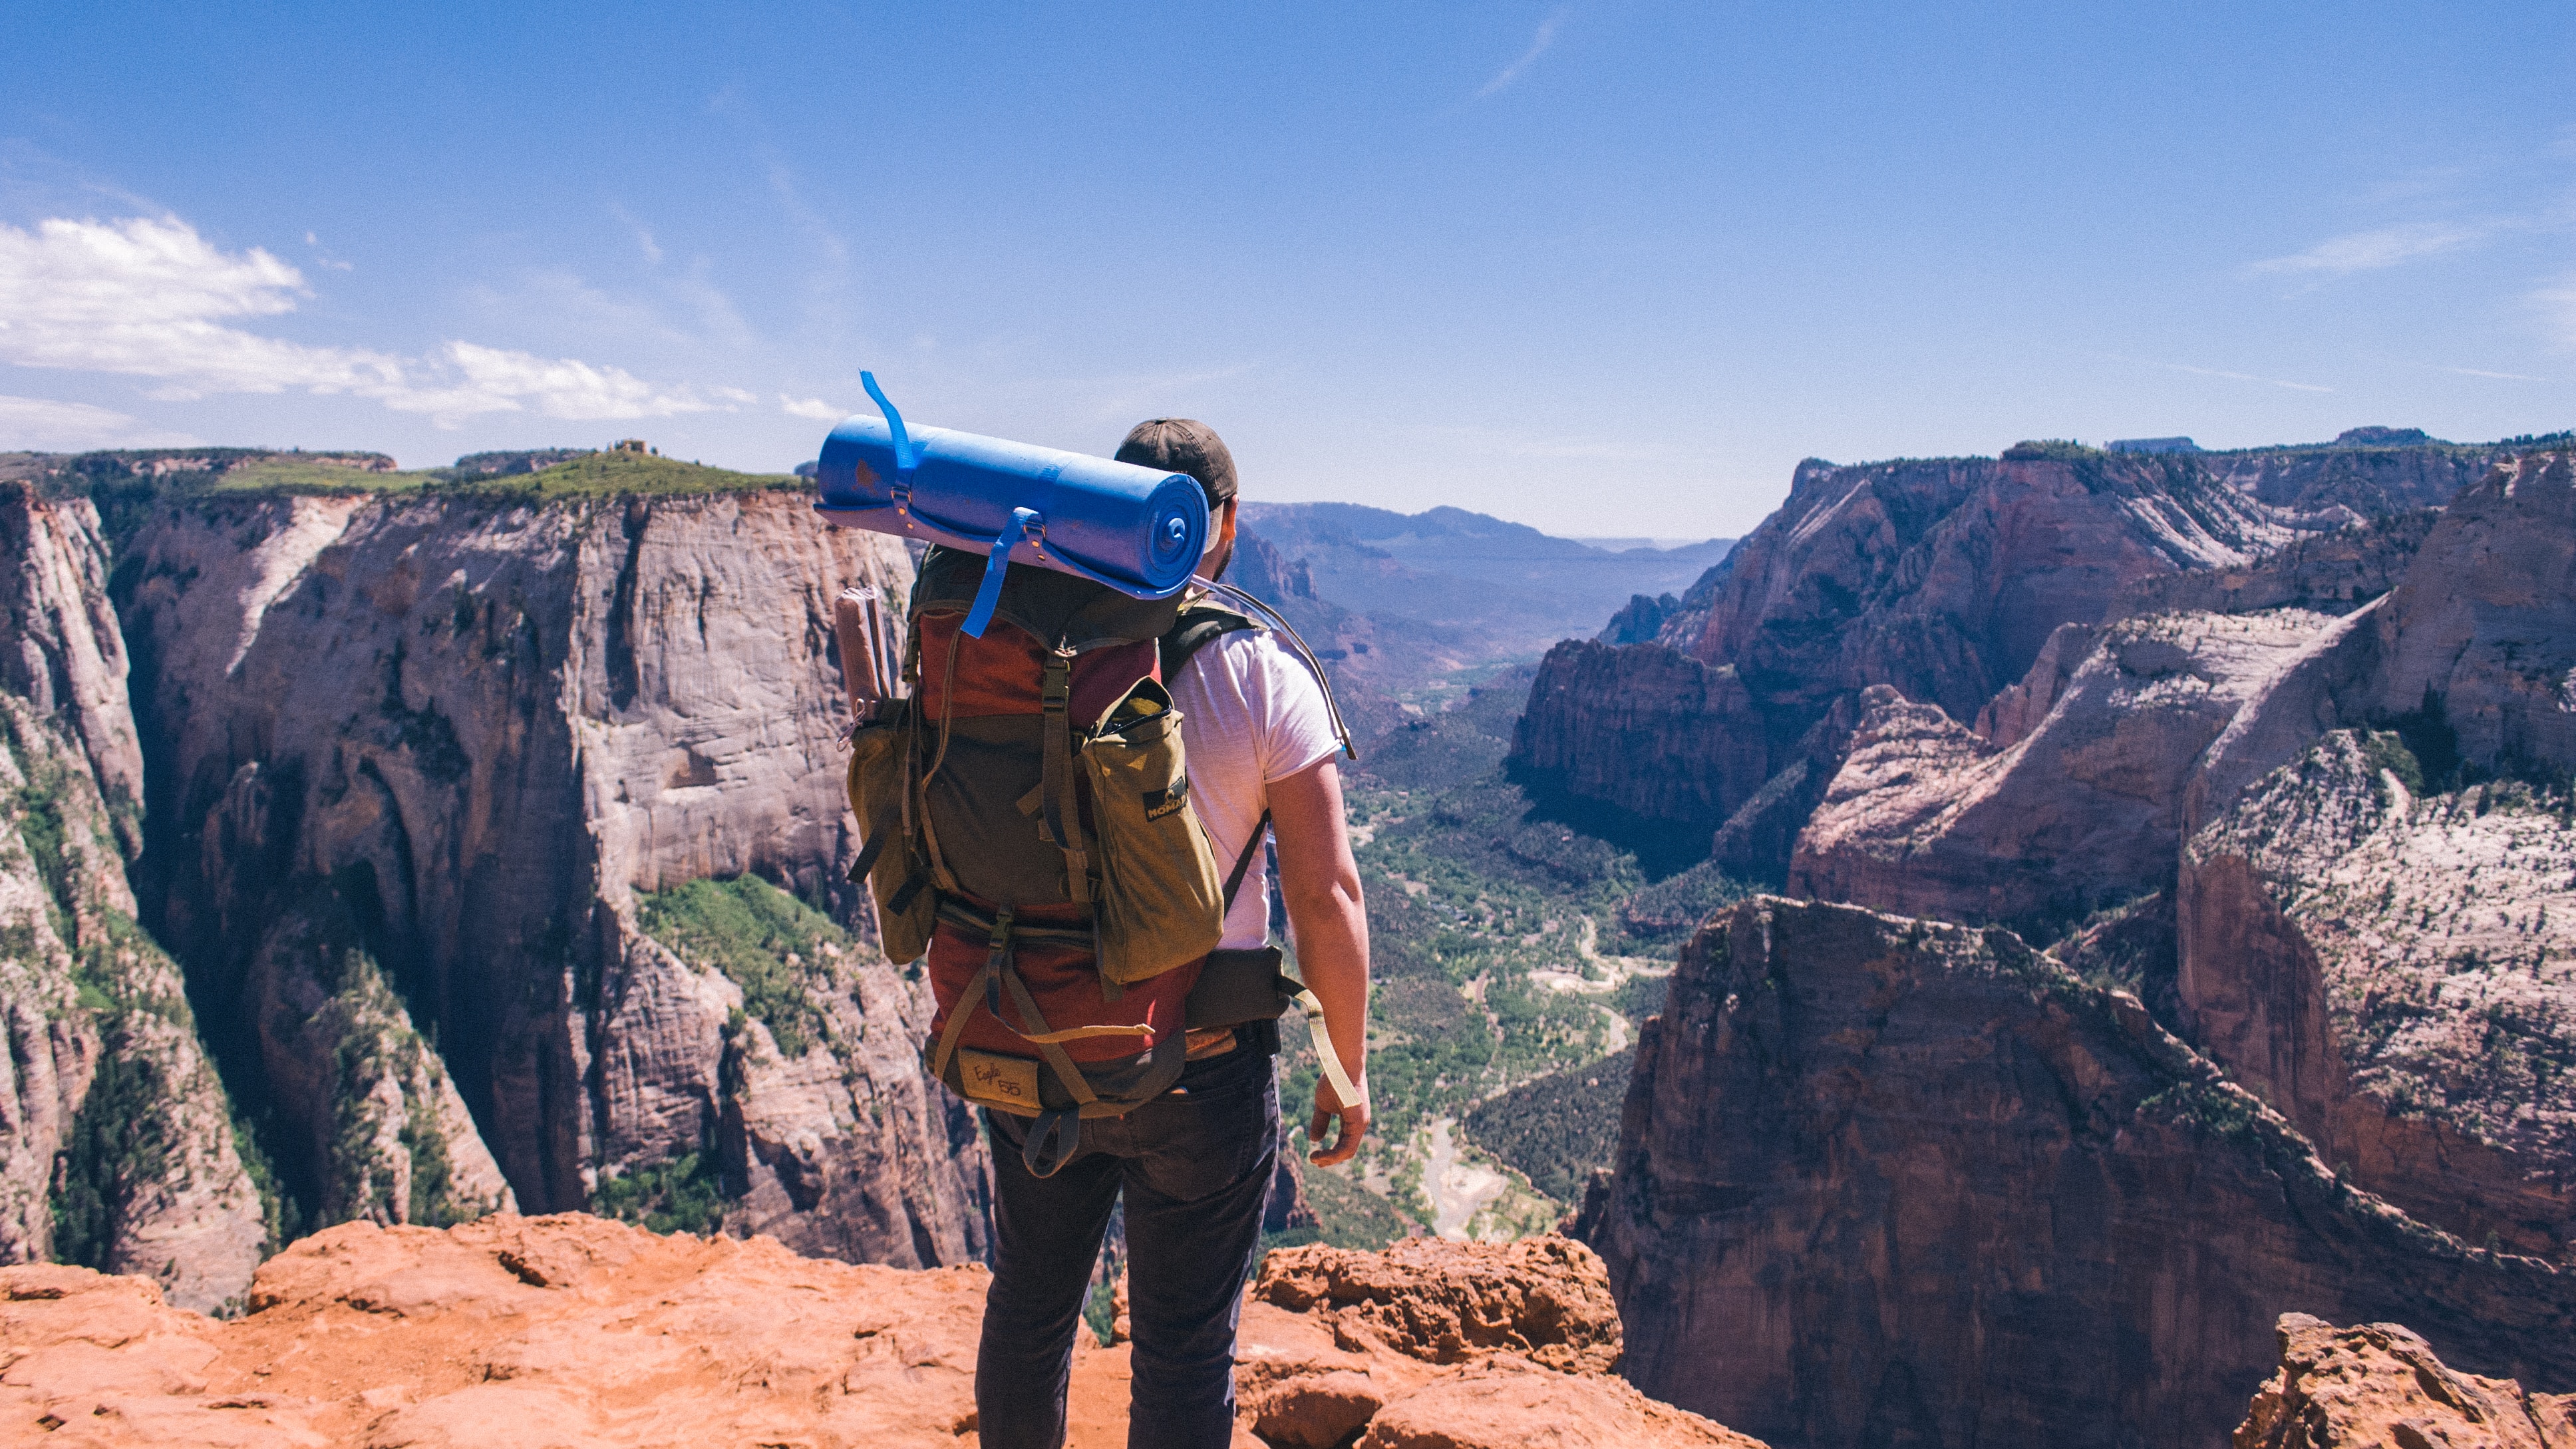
(1296, 726)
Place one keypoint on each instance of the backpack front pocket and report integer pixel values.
(1161, 903)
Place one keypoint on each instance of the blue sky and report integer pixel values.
(1601, 267)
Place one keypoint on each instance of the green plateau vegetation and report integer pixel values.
(764, 940)
(1508, 979)
(125, 485)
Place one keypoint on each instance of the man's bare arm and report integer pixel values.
(1328, 922)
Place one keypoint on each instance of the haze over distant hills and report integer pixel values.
(1400, 602)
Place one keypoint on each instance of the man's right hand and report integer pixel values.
(1355, 1124)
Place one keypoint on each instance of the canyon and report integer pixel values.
(2166, 953)
(1887, 1180)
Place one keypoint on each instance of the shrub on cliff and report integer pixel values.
(764, 940)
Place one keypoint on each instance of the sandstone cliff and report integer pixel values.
(1943, 579)
(116, 1138)
(2364, 935)
(1888, 1181)
(412, 762)
(573, 1331)
(2040, 823)
(2399, 976)
(2367, 931)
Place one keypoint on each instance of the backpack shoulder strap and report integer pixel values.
(1200, 624)
(1271, 619)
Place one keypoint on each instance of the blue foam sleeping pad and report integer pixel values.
(1134, 529)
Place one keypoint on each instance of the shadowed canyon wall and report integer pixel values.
(402, 780)
(1898, 1182)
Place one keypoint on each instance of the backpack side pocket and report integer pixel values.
(898, 876)
(1161, 902)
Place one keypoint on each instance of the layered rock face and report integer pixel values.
(1942, 579)
(2052, 819)
(409, 761)
(1888, 1181)
(116, 1139)
(2368, 933)
(2388, 970)
(2377, 942)
(571, 1331)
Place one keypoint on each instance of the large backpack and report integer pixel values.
(1026, 822)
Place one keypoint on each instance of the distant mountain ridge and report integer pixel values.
(1405, 600)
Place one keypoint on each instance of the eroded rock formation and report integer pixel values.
(411, 759)
(2381, 1386)
(573, 1331)
(1884, 1180)
(2376, 939)
(1943, 579)
(2044, 820)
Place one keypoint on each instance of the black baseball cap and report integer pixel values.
(1183, 445)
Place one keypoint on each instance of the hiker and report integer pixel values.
(1099, 953)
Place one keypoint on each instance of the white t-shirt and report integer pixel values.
(1251, 714)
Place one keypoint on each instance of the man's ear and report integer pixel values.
(1221, 546)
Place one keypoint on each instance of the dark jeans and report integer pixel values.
(1195, 1166)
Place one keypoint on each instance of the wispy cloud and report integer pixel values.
(498, 380)
(2556, 304)
(149, 297)
(45, 425)
(2370, 251)
(324, 257)
(1538, 46)
(2220, 372)
(810, 407)
(2499, 376)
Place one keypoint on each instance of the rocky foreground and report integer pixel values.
(544, 1333)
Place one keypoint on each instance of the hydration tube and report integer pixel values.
(1331, 706)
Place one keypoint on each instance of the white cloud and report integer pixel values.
(1538, 47)
(2369, 251)
(152, 298)
(497, 380)
(43, 425)
(810, 407)
(735, 395)
(2220, 372)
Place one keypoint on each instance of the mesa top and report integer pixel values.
(1251, 714)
